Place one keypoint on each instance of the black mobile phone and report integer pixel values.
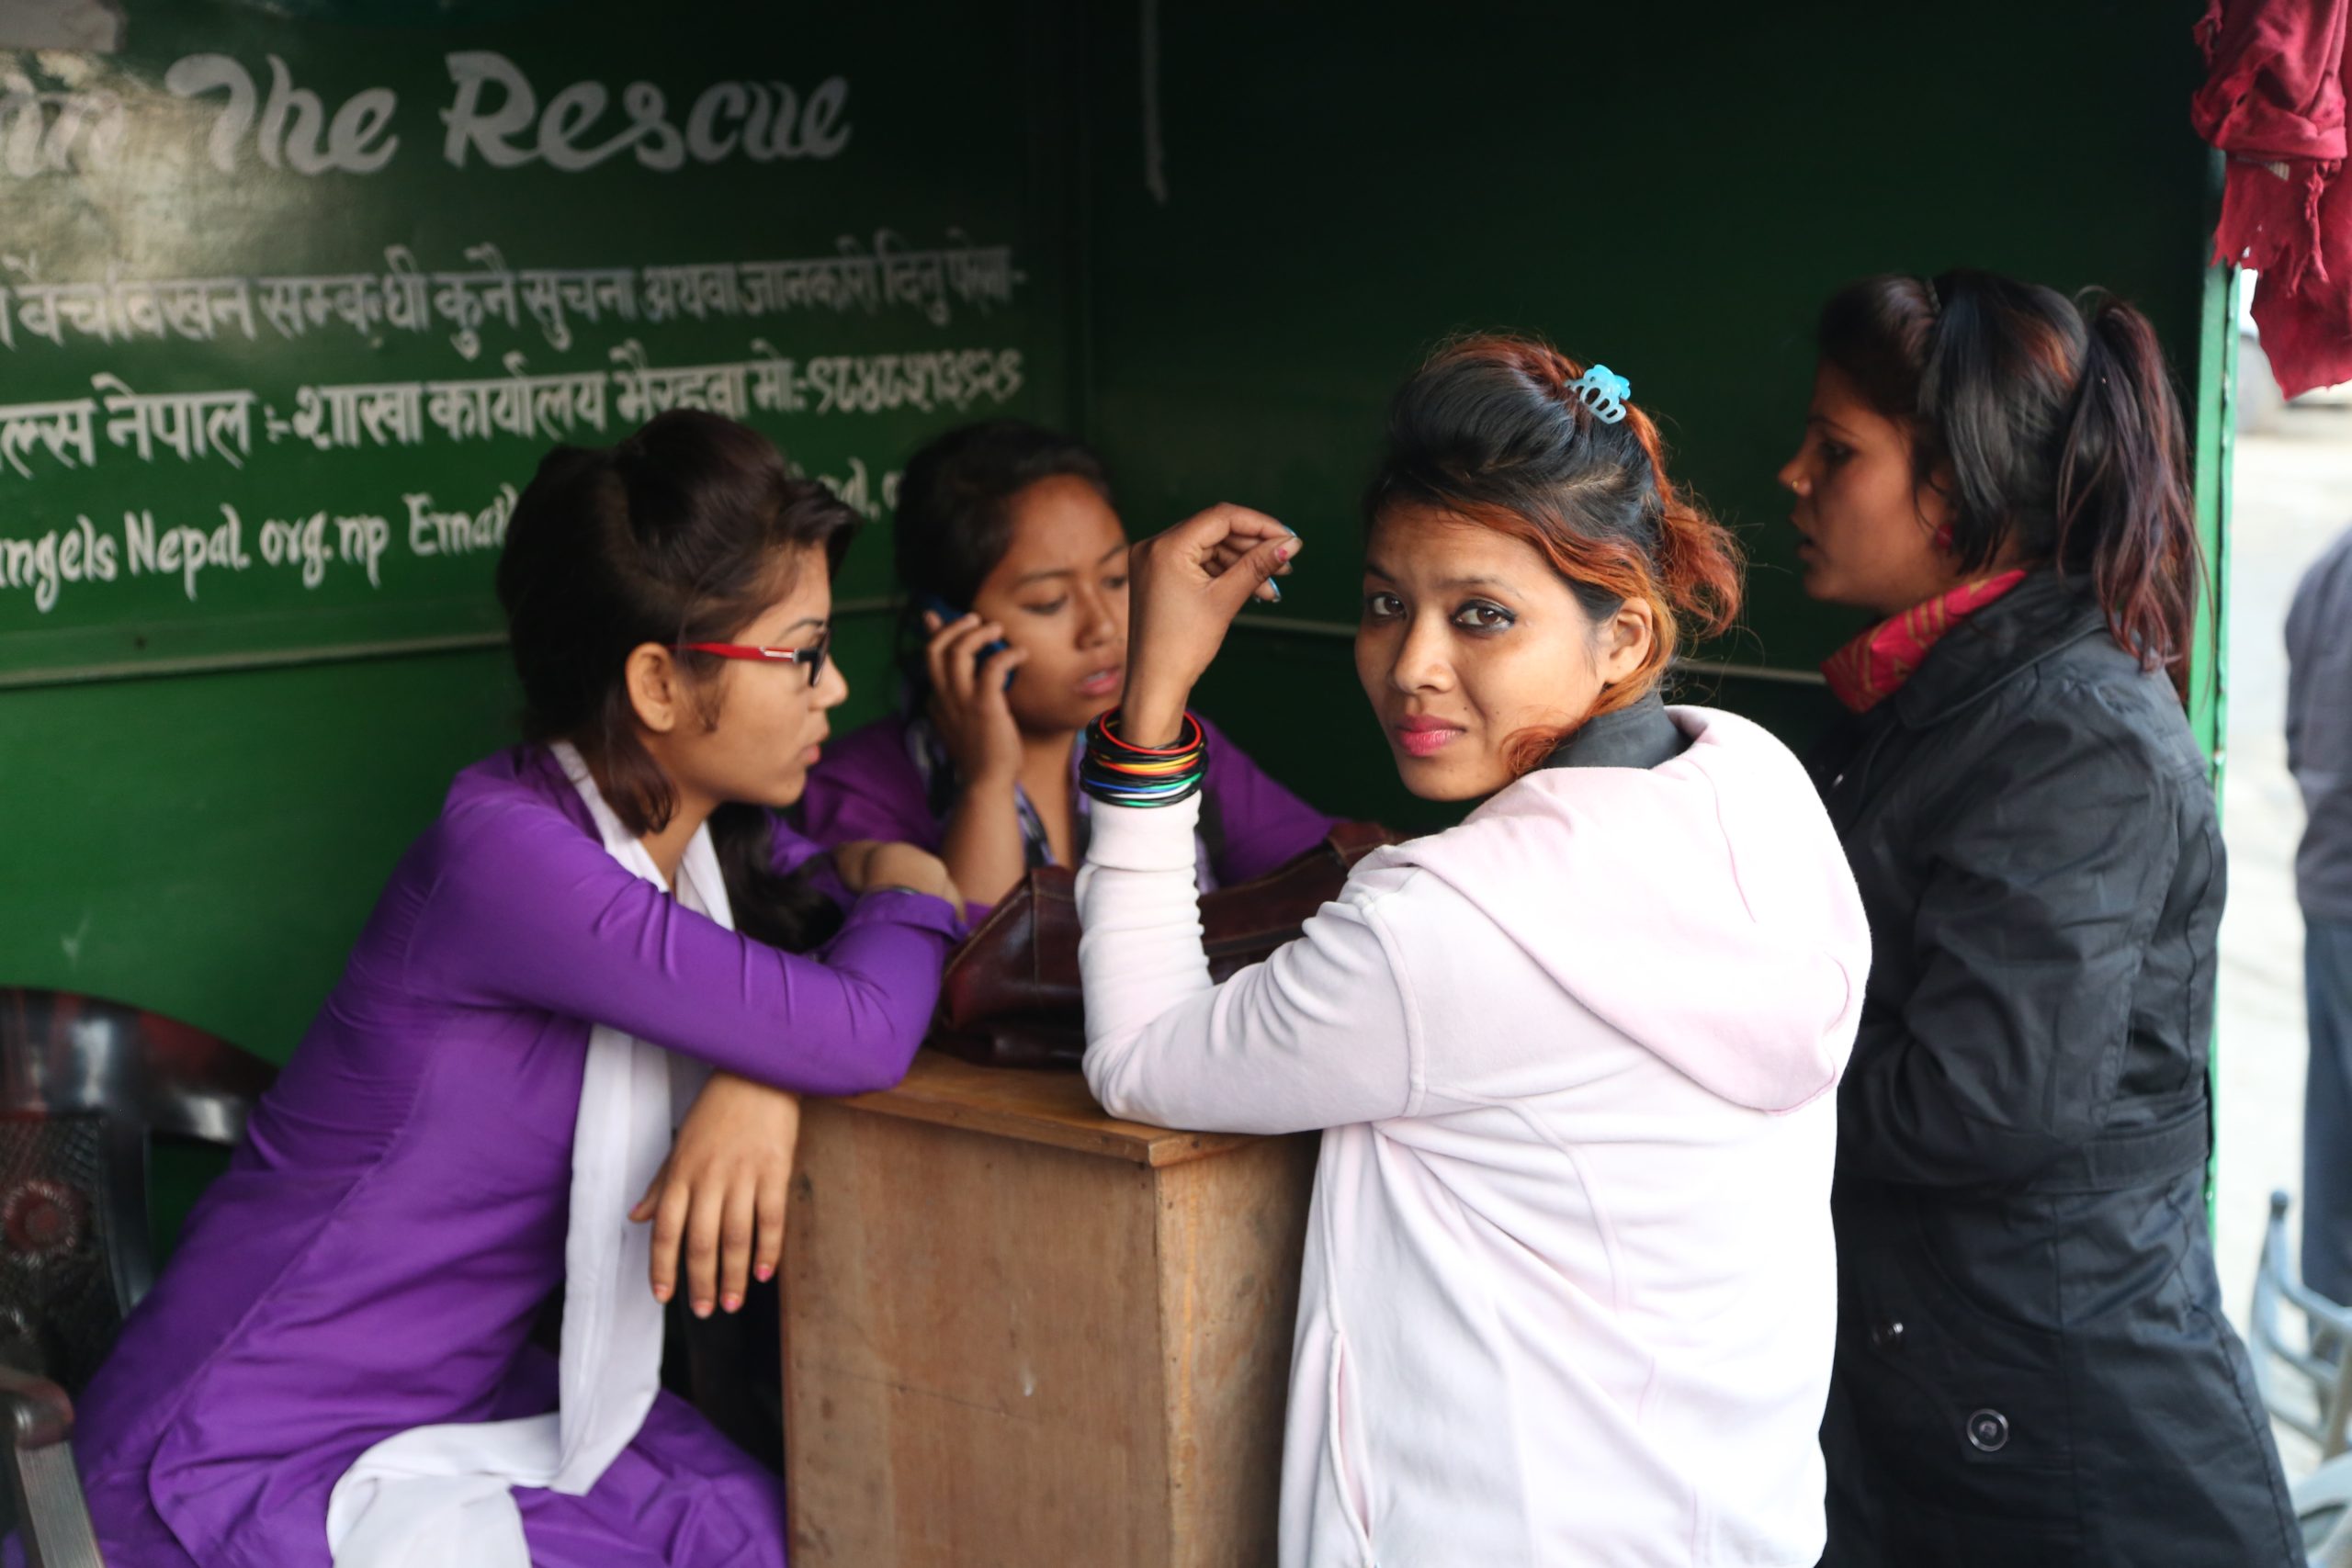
(949, 615)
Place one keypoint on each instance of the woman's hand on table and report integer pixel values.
(862, 863)
(1184, 587)
(720, 1195)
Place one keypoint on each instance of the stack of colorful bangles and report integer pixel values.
(1119, 773)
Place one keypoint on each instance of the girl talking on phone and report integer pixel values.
(1015, 567)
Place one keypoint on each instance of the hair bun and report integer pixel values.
(1477, 433)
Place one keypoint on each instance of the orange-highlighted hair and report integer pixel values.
(1490, 431)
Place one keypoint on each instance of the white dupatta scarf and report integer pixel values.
(435, 1496)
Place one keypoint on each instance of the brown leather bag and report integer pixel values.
(1010, 997)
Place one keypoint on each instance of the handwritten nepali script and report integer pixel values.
(405, 298)
(196, 426)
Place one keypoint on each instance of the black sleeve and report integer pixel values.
(2048, 870)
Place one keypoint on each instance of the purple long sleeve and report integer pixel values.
(869, 787)
(375, 1255)
(522, 908)
(1252, 823)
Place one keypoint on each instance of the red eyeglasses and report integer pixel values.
(813, 656)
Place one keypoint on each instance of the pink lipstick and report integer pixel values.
(1422, 736)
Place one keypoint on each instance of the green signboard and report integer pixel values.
(292, 306)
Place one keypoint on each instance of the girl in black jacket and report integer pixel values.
(2032, 1367)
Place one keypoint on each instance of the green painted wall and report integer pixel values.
(565, 222)
(206, 837)
(1673, 197)
(1342, 186)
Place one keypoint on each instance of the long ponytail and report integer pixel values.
(2124, 505)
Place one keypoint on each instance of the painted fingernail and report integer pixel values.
(1286, 552)
(702, 1309)
(765, 1272)
(662, 1292)
(731, 1303)
(1273, 591)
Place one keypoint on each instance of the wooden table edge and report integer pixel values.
(1051, 1108)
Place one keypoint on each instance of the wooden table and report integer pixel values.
(1018, 1332)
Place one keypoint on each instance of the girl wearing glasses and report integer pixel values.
(607, 927)
(1015, 568)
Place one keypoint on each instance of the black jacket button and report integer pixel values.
(1886, 1335)
(1989, 1431)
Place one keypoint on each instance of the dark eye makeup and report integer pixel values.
(1472, 615)
(1483, 616)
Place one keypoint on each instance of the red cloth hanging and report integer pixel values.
(2274, 101)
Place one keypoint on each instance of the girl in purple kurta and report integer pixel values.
(374, 1259)
(1015, 561)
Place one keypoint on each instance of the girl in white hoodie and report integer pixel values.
(1570, 1287)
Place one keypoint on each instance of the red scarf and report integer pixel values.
(1869, 669)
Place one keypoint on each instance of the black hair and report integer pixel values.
(682, 531)
(1494, 429)
(2057, 425)
(953, 521)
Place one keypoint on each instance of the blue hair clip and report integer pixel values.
(1604, 392)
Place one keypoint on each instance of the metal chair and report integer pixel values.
(86, 1085)
(2323, 1507)
(2306, 1384)
(2306, 1379)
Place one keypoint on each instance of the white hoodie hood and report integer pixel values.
(1570, 1286)
(1700, 908)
